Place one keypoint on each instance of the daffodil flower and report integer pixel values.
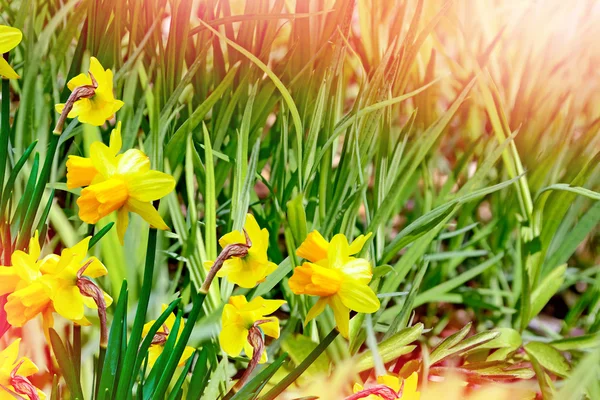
(27, 296)
(14, 372)
(251, 269)
(340, 281)
(118, 182)
(240, 316)
(99, 107)
(62, 274)
(160, 338)
(389, 387)
(9, 39)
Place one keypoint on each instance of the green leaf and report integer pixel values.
(548, 357)
(392, 348)
(547, 288)
(583, 342)
(299, 347)
(67, 368)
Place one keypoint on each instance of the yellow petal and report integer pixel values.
(116, 142)
(358, 269)
(314, 247)
(148, 212)
(68, 302)
(258, 236)
(79, 80)
(249, 350)
(358, 243)
(9, 355)
(270, 328)
(99, 74)
(341, 314)
(391, 381)
(337, 251)
(270, 306)
(103, 159)
(232, 238)
(153, 352)
(6, 70)
(150, 186)
(27, 367)
(187, 353)
(133, 161)
(410, 387)
(80, 108)
(122, 223)
(232, 339)
(9, 38)
(95, 269)
(358, 297)
(316, 310)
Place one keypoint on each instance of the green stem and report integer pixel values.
(295, 374)
(4, 128)
(25, 232)
(140, 316)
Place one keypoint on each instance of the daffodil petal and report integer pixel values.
(95, 269)
(358, 243)
(68, 302)
(6, 70)
(151, 185)
(116, 142)
(316, 310)
(9, 38)
(358, 269)
(122, 223)
(358, 296)
(148, 212)
(133, 161)
(337, 251)
(187, 353)
(103, 159)
(232, 339)
(27, 367)
(153, 353)
(341, 314)
(79, 80)
(270, 328)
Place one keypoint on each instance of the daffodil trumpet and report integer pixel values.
(229, 251)
(80, 92)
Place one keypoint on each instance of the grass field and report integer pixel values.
(294, 199)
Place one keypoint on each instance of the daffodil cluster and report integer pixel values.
(117, 182)
(244, 261)
(336, 277)
(44, 285)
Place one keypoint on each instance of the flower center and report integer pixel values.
(315, 280)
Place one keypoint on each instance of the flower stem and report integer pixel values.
(255, 338)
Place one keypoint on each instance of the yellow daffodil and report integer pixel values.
(100, 107)
(340, 281)
(403, 389)
(160, 338)
(27, 295)
(13, 375)
(9, 39)
(239, 316)
(61, 275)
(253, 268)
(117, 182)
